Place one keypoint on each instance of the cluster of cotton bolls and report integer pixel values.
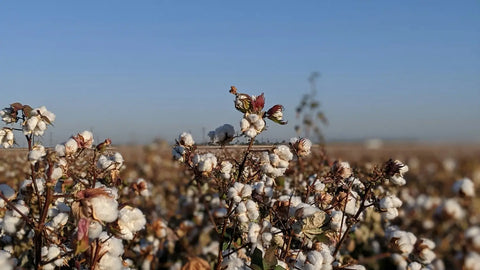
(389, 206)
(408, 248)
(53, 255)
(321, 259)
(252, 124)
(251, 106)
(41, 211)
(36, 123)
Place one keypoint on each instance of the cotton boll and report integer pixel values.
(87, 138)
(252, 124)
(30, 124)
(130, 221)
(104, 208)
(178, 152)
(351, 206)
(206, 162)
(283, 152)
(6, 137)
(226, 169)
(253, 232)
(37, 152)
(60, 220)
(472, 261)
(186, 139)
(118, 158)
(232, 262)
(94, 229)
(6, 260)
(57, 173)
(399, 261)
(9, 223)
(473, 235)
(239, 191)
(252, 210)
(110, 262)
(450, 208)
(110, 244)
(464, 187)
(414, 266)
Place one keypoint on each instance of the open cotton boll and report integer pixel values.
(6, 137)
(130, 221)
(390, 201)
(473, 235)
(87, 138)
(186, 139)
(6, 261)
(464, 187)
(253, 232)
(252, 124)
(9, 223)
(37, 152)
(239, 191)
(71, 146)
(450, 208)
(206, 162)
(110, 262)
(105, 208)
(283, 152)
(50, 253)
(59, 220)
(111, 244)
(94, 229)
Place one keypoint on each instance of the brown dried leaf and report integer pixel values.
(196, 263)
(16, 106)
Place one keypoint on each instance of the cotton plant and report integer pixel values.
(69, 209)
(268, 212)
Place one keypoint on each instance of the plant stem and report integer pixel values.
(242, 165)
(222, 238)
(359, 212)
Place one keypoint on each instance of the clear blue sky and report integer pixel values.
(136, 70)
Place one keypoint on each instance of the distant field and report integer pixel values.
(346, 151)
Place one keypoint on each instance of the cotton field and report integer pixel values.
(233, 204)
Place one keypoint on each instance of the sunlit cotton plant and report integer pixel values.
(265, 212)
(67, 211)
